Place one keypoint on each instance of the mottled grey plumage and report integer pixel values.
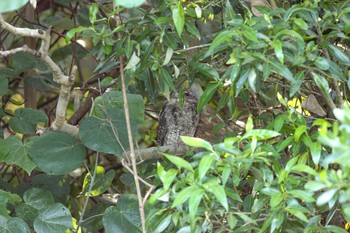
(176, 120)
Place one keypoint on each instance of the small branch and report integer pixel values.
(156, 152)
(193, 48)
(132, 150)
(58, 75)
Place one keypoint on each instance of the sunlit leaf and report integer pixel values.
(179, 18)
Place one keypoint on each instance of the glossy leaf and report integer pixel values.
(179, 18)
(277, 46)
(179, 162)
(220, 194)
(70, 34)
(207, 95)
(197, 142)
(182, 196)
(224, 36)
(322, 63)
(260, 134)
(194, 201)
(326, 196)
(205, 69)
(315, 150)
(339, 54)
(204, 165)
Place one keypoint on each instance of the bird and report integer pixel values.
(178, 119)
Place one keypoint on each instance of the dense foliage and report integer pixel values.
(275, 74)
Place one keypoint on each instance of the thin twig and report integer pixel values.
(89, 193)
(132, 150)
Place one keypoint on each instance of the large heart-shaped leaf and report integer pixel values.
(13, 225)
(107, 134)
(115, 99)
(124, 217)
(26, 120)
(18, 153)
(57, 153)
(55, 218)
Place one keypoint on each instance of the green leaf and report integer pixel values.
(197, 142)
(182, 196)
(326, 196)
(179, 162)
(322, 63)
(276, 199)
(282, 70)
(301, 23)
(277, 46)
(261, 134)
(107, 134)
(55, 218)
(207, 95)
(38, 198)
(168, 55)
(297, 213)
(92, 12)
(241, 81)
(296, 84)
(70, 34)
(223, 37)
(220, 194)
(133, 61)
(164, 75)
(204, 165)
(205, 69)
(114, 99)
(10, 5)
(336, 71)
(4, 83)
(339, 54)
(101, 182)
(304, 168)
(13, 225)
(129, 3)
(252, 79)
(4, 149)
(235, 71)
(250, 34)
(179, 18)
(124, 217)
(25, 120)
(194, 202)
(315, 150)
(322, 83)
(304, 196)
(18, 153)
(299, 131)
(169, 178)
(279, 122)
(57, 153)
